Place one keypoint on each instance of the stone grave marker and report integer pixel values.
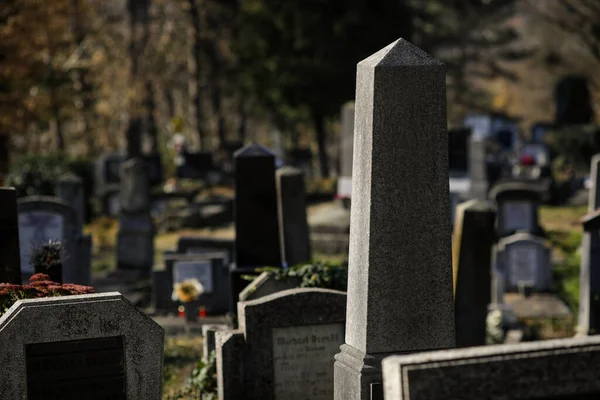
(589, 276)
(107, 181)
(266, 284)
(255, 215)
(551, 370)
(10, 260)
(284, 347)
(136, 230)
(94, 346)
(70, 190)
(471, 264)
(525, 261)
(155, 168)
(400, 296)
(200, 245)
(594, 196)
(518, 207)
(208, 268)
(293, 224)
(478, 168)
(209, 344)
(43, 218)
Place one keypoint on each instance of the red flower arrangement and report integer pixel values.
(39, 285)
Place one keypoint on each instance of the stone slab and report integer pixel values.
(68, 329)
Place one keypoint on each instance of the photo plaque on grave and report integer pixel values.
(518, 215)
(523, 261)
(202, 271)
(303, 358)
(35, 228)
(76, 369)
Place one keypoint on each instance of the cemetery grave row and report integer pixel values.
(392, 335)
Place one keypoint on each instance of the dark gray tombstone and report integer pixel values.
(255, 208)
(472, 256)
(400, 263)
(518, 207)
(95, 346)
(293, 224)
(525, 261)
(43, 218)
(478, 168)
(70, 190)
(550, 369)
(594, 198)
(284, 348)
(208, 268)
(155, 169)
(136, 230)
(589, 276)
(10, 259)
(255, 215)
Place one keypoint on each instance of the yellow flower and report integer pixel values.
(187, 290)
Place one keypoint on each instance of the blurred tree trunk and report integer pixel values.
(138, 29)
(195, 81)
(151, 127)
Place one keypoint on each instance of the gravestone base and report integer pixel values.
(135, 243)
(358, 375)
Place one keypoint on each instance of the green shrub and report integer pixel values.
(37, 175)
(576, 144)
(317, 275)
(203, 382)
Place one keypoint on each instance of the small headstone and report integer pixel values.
(458, 149)
(589, 276)
(472, 255)
(209, 344)
(155, 169)
(136, 230)
(208, 268)
(400, 261)
(94, 346)
(70, 190)
(4, 156)
(550, 369)
(42, 219)
(525, 261)
(285, 346)
(10, 259)
(293, 224)
(518, 207)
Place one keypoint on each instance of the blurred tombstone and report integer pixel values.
(135, 245)
(4, 156)
(10, 260)
(589, 276)
(573, 101)
(155, 168)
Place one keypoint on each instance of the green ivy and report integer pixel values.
(203, 382)
(314, 275)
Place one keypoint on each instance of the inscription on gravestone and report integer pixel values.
(523, 262)
(517, 215)
(35, 228)
(303, 361)
(76, 369)
(202, 271)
